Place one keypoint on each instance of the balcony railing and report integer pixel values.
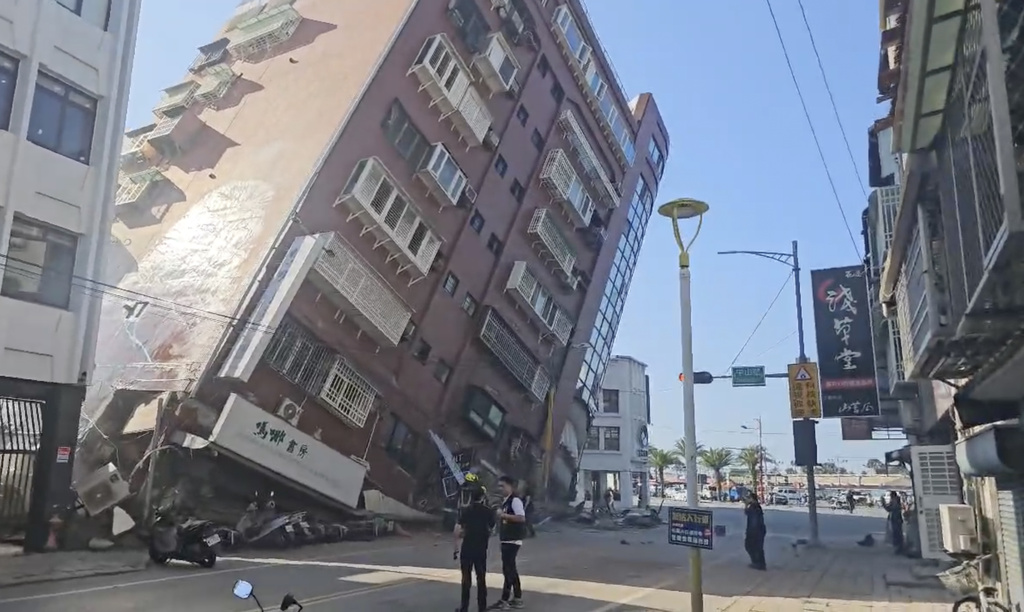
(529, 292)
(497, 64)
(565, 186)
(375, 199)
(350, 281)
(448, 81)
(215, 84)
(131, 187)
(591, 163)
(511, 351)
(552, 243)
(585, 69)
(443, 176)
(133, 153)
(176, 99)
(267, 29)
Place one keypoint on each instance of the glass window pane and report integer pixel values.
(44, 123)
(76, 133)
(40, 264)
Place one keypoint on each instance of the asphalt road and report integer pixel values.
(571, 569)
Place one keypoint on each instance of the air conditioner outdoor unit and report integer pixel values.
(289, 411)
(102, 489)
(492, 140)
(959, 530)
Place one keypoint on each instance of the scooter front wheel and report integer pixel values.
(158, 558)
(208, 558)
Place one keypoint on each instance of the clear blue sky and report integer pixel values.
(739, 141)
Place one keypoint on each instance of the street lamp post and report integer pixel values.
(676, 210)
(792, 260)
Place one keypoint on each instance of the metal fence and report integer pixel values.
(21, 426)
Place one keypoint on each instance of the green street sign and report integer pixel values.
(748, 376)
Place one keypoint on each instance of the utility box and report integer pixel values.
(959, 529)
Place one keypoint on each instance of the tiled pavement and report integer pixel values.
(27, 569)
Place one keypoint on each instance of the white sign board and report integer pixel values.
(246, 430)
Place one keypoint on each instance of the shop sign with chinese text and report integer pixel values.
(252, 434)
(846, 361)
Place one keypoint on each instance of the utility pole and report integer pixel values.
(792, 260)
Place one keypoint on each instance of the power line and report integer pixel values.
(832, 100)
(760, 321)
(777, 344)
(814, 133)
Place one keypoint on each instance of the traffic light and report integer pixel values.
(700, 378)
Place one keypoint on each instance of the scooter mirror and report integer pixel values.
(242, 590)
(289, 601)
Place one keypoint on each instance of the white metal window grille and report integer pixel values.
(266, 30)
(348, 394)
(580, 144)
(366, 295)
(176, 98)
(549, 239)
(441, 72)
(497, 64)
(565, 186)
(514, 355)
(540, 301)
(374, 197)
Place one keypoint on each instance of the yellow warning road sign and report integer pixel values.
(804, 395)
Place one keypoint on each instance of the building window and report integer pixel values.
(75, 6)
(500, 166)
(40, 264)
(402, 445)
(8, 81)
(410, 143)
(610, 400)
(523, 115)
(470, 305)
(477, 222)
(451, 283)
(484, 412)
(62, 119)
(611, 438)
(593, 439)
(657, 157)
(543, 67)
(494, 244)
(538, 140)
(557, 92)
(518, 191)
(422, 352)
(442, 371)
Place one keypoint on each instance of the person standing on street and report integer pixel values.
(473, 530)
(511, 531)
(851, 501)
(756, 531)
(895, 509)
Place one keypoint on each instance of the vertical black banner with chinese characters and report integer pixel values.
(846, 361)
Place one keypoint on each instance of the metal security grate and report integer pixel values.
(263, 32)
(299, 357)
(540, 301)
(580, 144)
(366, 295)
(565, 186)
(551, 241)
(442, 73)
(513, 354)
(21, 425)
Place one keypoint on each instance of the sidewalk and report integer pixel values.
(27, 569)
(840, 577)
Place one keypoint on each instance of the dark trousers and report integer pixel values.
(897, 537)
(754, 543)
(512, 588)
(474, 562)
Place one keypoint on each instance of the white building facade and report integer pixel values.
(616, 453)
(65, 73)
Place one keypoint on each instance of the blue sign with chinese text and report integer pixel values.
(692, 527)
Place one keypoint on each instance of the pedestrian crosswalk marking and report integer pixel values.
(802, 374)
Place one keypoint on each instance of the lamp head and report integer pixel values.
(683, 208)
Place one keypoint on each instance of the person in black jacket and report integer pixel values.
(511, 531)
(756, 531)
(472, 532)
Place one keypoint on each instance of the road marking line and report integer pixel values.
(346, 594)
(190, 576)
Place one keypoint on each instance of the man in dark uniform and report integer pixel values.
(756, 531)
(472, 532)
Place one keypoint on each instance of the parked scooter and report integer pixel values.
(192, 541)
(262, 525)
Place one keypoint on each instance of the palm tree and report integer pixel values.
(660, 460)
(752, 457)
(680, 450)
(716, 460)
